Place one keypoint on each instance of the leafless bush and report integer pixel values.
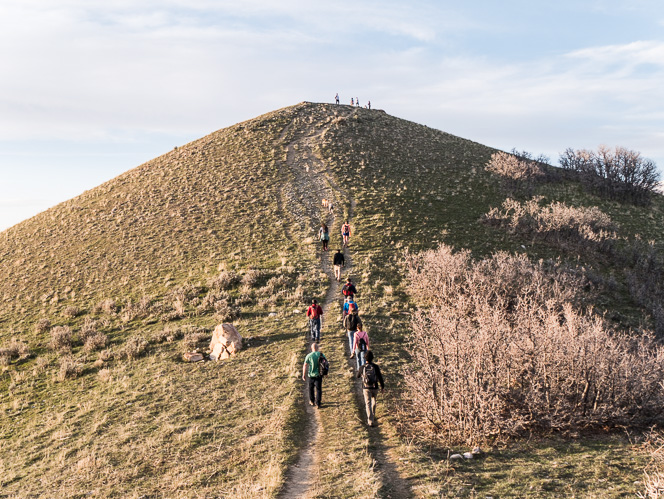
(503, 351)
(226, 312)
(556, 222)
(42, 325)
(135, 347)
(620, 173)
(224, 281)
(654, 473)
(71, 312)
(518, 174)
(194, 340)
(13, 350)
(645, 279)
(250, 277)
(61, 338)
(69, 368)
(211, 298)
(107, 306)
(95, 341)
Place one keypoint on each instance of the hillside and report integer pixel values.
(223, 229)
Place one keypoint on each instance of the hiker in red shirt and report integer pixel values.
(314, 313)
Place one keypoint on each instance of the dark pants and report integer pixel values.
(316, 383)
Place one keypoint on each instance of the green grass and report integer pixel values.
(157, 425)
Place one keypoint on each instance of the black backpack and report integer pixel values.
(369, 376)
(352, 322)
(323, 366)
(362, 344)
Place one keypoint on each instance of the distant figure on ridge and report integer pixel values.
(371, 377)
(357, 102)
(345, 232)
(338, 261)
(345, 310)
(314, 313)
(352, 101)
(316, 366)
(336, 98)
(324, 235)
(369, 105)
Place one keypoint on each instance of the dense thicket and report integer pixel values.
(503, 349)
(618, 173)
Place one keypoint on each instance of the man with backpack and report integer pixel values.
(352, 323)
(315, 366)
(371, 377)
(360, 347)
(349, 289)
(314, 313)
(346, 308)
(338, 261)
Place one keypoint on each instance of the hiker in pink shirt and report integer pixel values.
(360, 347)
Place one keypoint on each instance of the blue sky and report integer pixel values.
(91, 89)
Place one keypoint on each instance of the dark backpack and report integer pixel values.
(323, 366)
(369, 376)
(346, 290)
(362, 344)
(353, 320)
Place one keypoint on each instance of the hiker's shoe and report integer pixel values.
(370, 422)
(311, 403)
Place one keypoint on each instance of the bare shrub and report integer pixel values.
(61, 338)
(653, 482)
(556, 222)
(69, 368)
(195, 340)
(620, 173)
(42, 325)
(224, 281)
(211, 298)
(250, 277)
(135, 347)
(518, 174)
(71, 312)
(644, 270)
(41, 364)
(95, 341)
(502, 352)
(89, 328)
(225, 312)
(15, 349)
(107, 306)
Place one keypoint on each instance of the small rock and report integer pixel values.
(455, 457)
(296, 311)
(468, 455)
(272, 314)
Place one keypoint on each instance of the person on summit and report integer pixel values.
(352, 101)
(338, 261)
(371, 377)
(324, 235)
(314, 313)
(336, 98)
(315, 365)
(352, 323)
(345, 232)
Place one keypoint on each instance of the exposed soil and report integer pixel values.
(313, 183)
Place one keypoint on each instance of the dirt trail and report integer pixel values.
(314, 182)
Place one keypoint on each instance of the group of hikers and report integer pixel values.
(316, 364)
(353, 101)
(324, 236)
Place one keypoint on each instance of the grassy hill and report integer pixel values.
(223, 229)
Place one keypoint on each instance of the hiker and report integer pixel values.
(352, 102)
(315, 365)
(336, 98)
(345, 232)
(324, 235)
(349, 289)
(371, 377)
(357, 102)
(346, 308)
(369, 105)
(330, 208)
(338, 261)
(352, 323)
(314, 313)
(360, 347)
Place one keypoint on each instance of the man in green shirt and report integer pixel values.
(312, 368)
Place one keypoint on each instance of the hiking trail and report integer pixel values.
(313, 182)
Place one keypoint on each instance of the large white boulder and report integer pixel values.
(226, 341)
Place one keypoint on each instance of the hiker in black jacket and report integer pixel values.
(371, 377)
(339, 261)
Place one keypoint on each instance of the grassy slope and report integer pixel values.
(224, 202)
